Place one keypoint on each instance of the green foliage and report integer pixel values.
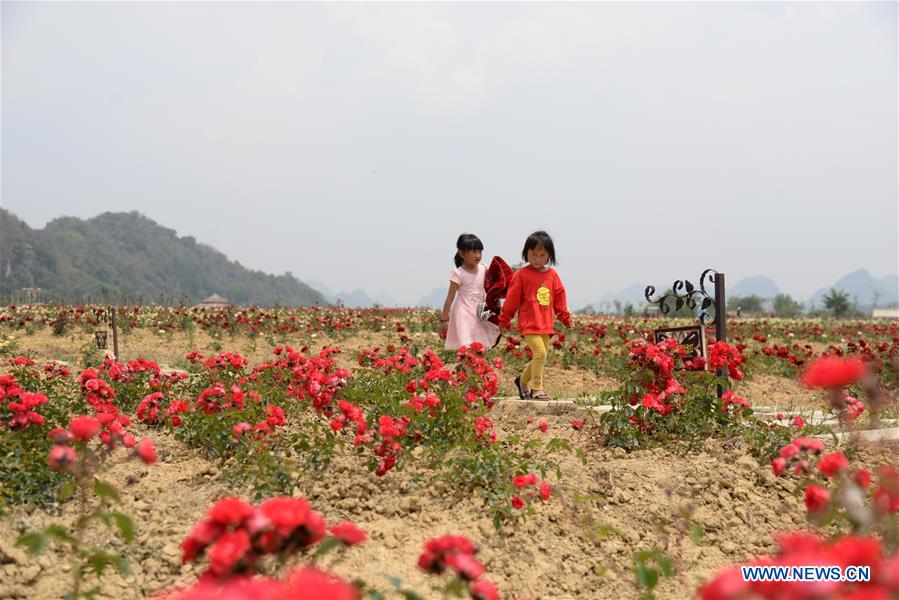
(699, 417)
(24, 476)
(748, 305)
(785, 307)
(837, 302)
(649, 565)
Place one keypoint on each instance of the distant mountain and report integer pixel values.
(320, 287)
(860, 285)
(632, 294)
(759, 285)
(863, 289)
(354, 299)
(128, 257)
(434, 299)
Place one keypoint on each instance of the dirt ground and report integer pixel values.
(579, 544)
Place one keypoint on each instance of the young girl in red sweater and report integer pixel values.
(535, 293)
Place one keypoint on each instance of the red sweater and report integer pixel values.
(535, 295)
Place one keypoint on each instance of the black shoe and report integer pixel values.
(521, 395)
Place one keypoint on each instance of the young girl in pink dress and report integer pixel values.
(460, 321)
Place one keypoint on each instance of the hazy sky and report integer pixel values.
(352, 143)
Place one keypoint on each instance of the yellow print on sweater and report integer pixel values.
(543, 296)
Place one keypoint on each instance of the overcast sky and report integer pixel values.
(352, 143)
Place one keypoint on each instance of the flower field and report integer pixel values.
(337, 453)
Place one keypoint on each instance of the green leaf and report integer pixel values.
(664, 564)
(125, 525)
(696, 533)
(646, 577)
(59, 532)
(326, 546)
(395, 582)
(98, 561)
(120, 564)
(66, 491)
(106, 491)
(33, 541)
(643, 555)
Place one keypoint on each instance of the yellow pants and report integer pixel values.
(533, 372)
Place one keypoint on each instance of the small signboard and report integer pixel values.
(691, 337)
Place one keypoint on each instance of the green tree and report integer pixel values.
(837, 302)
(749, 305)
(785, 306)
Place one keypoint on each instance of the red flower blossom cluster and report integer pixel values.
(429, 401)
(734, 403)
(105, 426)
(307, 583)
(351, 412)
(797, 452)
(833, 372)
(854, 407)
(805, 549)
(389, 429)
(403, 362)
(236, 534)
(21, 404)
(312, 378)
(526, 481)
(215, 399)
(660, 360)
(483, 429)
(274, 418)
(148, 410)
(56, 370)
(478, 373)
(225, 361)
(456, 553)
(98, 393)
(723, 355)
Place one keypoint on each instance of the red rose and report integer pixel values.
(310, 584)
(832, 463)
(146, 451)
(230, 511)
(84, 428)
(863, 478)
(816, 498)
(229, 550)
(61, 458)
(286, 513)
(778, 465)
(466, 566)
(517, 503)
(544, 491)
(348, 533)
(833, 372)
(483, 590)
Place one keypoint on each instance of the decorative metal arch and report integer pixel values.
(684, 293)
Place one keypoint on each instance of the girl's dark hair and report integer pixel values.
(466, 241)
(539, 238)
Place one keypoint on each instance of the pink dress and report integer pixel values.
(464, 325)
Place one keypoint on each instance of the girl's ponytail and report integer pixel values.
(457, 259)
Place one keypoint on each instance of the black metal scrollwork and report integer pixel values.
(684, 293)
